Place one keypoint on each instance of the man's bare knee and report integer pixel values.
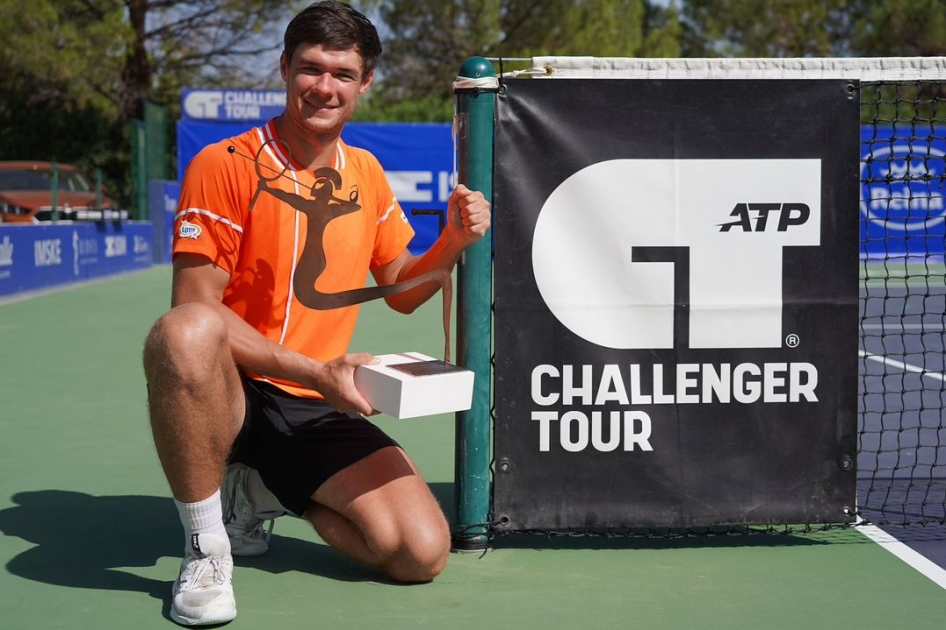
(422, 555)
(183, 342)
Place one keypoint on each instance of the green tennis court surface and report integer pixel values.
(91, 538)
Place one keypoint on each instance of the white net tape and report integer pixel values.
(863, 68)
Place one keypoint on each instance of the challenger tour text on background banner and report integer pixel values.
(688, 384)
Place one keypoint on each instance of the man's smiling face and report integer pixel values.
(323, 87)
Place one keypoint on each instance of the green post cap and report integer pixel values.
(477, 68)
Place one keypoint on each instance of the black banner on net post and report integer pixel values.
(676, 302)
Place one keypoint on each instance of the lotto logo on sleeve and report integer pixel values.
(618, 244)
(189, 230)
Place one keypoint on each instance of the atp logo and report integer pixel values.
(640, 254)
(789, 214)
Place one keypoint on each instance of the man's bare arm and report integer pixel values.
(197, 279)
(468, 219)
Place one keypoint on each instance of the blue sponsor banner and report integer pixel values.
(417, 158)
(903, 192)
(194, 135)
(39, 256)
(418, 161)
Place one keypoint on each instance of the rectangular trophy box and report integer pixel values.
(410, 384)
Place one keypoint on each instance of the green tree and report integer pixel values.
(763, 28)
(59, 85)
(813, 28)
(426, 41)
(881, 28)
(73, 73)
(827, 28)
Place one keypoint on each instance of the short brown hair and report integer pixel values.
(335, 26)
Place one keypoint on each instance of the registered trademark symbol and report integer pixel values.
(792, 341)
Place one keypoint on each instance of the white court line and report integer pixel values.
(904, 552)
(906, 367)
(910, 556)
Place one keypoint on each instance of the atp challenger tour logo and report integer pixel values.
(618, 245)
(669, 254)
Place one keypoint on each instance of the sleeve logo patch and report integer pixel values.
(189, 230)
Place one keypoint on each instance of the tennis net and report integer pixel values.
(902, 376)
(902, 440)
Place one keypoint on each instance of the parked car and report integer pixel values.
(26, 194)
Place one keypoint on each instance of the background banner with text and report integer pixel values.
(39, 256)
(676, 303)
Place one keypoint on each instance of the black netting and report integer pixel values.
(902, 452)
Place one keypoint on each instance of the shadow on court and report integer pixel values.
(85, 541)
(81, 540)
(696, 539)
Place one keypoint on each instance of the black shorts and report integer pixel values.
(296, 444)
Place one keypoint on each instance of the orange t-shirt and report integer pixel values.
(263, 248)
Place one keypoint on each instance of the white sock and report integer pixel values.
(202, 517)
(263, 500)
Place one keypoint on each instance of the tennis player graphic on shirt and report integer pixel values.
(319, 211)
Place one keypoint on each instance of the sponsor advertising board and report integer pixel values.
(39, 256)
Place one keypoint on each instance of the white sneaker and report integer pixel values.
(203, 592)
(243, 521)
